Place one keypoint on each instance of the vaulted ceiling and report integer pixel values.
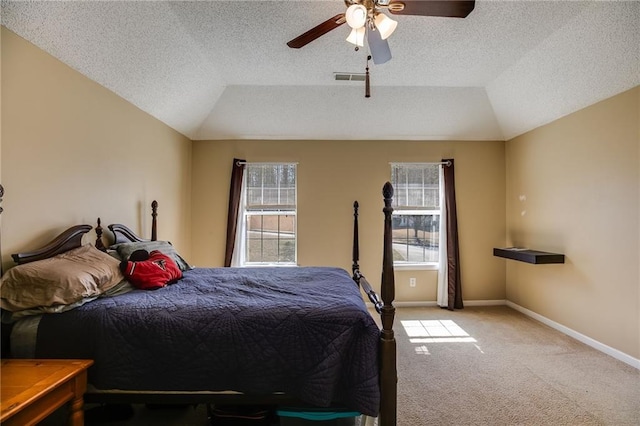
(221, 69)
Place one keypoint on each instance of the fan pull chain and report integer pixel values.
(367, 84)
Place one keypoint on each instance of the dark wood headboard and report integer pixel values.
(67, 240)
(123, 234)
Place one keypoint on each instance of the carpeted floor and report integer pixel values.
(499, 367)
(483, 366)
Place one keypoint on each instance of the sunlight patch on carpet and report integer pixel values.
(435, 331)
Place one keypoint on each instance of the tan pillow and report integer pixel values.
(61, 280)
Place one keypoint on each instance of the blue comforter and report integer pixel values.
(303, 331)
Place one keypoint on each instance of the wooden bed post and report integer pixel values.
(99, 244)
(154, 221)
(388, 368)
(388, 372)
(356, 245)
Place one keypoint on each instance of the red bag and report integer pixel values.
(155, 272)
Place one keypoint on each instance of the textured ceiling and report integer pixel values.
(222, 69)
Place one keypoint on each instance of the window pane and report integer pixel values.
(271, 238)
(416, 186)
(271, 185)
(416, 238)
(287, 249)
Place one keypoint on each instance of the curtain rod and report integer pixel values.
(442, 163)
(241, 163)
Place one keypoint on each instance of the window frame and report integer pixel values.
(269, 210)
(417, 211)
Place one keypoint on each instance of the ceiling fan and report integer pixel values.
(365, 17)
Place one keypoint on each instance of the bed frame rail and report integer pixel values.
(357, 275)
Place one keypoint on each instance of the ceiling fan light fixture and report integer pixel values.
(356, 36)
(356, 16)
(385, 25)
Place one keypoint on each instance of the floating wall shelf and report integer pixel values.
(529, 256)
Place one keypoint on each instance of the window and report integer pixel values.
(270, 214)
(416, 215)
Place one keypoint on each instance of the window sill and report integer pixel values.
(415, 267)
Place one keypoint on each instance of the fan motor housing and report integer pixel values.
(396, 7)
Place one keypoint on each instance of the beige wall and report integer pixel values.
(73, 151)
(580, 177)
(331, 175)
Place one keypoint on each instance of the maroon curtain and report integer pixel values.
(454, 285)
(235, 194)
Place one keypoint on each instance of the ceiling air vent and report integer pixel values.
(348, 76)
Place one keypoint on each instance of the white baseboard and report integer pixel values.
(420, 304)
(619, 355)
(485, 302)
(433, 303)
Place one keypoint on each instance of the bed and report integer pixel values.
(295, 337)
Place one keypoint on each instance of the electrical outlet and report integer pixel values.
(412, 282)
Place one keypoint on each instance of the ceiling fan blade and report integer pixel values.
(317, 31)
(380, 52)
(445, 8)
